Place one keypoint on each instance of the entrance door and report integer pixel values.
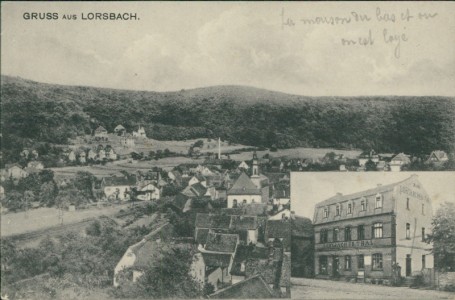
(408, 265)
(336, 266)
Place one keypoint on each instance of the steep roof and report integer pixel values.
(195, 190)
(439, 154)
(244, 253)
(100, 129)
(212, 221)
(401, 157)
(116, 181)
(216, 259)
(244, 222)
(119, 127)
(380, 189)
(254, 287)
(221, 242)
(278, 229)
(201, 235)
(244, 186)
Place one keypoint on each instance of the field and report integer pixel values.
(168, 163)
(147, 145)
(313, 153)
(123, 165)
(42, 218)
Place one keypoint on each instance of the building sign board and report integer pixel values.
(349, 244)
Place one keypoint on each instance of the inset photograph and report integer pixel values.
(389, 230)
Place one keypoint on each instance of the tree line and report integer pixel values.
(50, 113)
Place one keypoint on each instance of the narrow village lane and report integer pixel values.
(304, 288)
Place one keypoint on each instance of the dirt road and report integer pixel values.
(303, 288)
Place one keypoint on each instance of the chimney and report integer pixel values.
(219, 148)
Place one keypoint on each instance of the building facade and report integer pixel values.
(375, 235)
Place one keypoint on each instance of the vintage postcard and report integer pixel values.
(175, 150)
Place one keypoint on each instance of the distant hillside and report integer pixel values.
(37, 112)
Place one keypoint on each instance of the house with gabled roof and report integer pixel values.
(212, 268)
(118, 187)
(138, 256)
(148, 191)
(244, 191)
(279, 229)
(119, 130)
(140, 133)
(245, 226)
(398, 161)
(438, 157)
(221, 242)
(195, 190)
(368, 155)
(15, 171)
(100, 132)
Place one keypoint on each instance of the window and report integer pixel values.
(408, 231)
(326, 212)
(423, 209)
(347, 262)
(335, 234)
(244, 201)
(377, 230)
(347, 234)
(360, 262)
(323, 236)
(349, 208)
(423, 261)
(338, 210)
(360, 232)
(252, 200)
(407, 203)
(323, 264)
(363, 206)
(377, 261)
(234, 203)
(378, 201)
(423, 234)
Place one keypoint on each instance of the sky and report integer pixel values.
(310, 188)
(270, 45)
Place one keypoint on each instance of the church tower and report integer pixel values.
(255, 166)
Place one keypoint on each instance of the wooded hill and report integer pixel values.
(37, 112)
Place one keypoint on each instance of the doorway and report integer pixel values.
(408, 265)
(336, 266)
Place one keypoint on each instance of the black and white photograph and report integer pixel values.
(149, 150)
(392, 232)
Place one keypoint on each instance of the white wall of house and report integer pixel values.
(279, 216)
(236, 279)
(249, 199)
(192, 181)
(252, 236)
(112, 190)
(17, 172)
(395, 167)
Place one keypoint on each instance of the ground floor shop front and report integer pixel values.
(384, 265)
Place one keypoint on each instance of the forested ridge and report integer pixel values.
(37, 112)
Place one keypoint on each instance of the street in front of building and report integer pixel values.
(305, 288)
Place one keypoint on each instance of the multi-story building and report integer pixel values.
(374, 234)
